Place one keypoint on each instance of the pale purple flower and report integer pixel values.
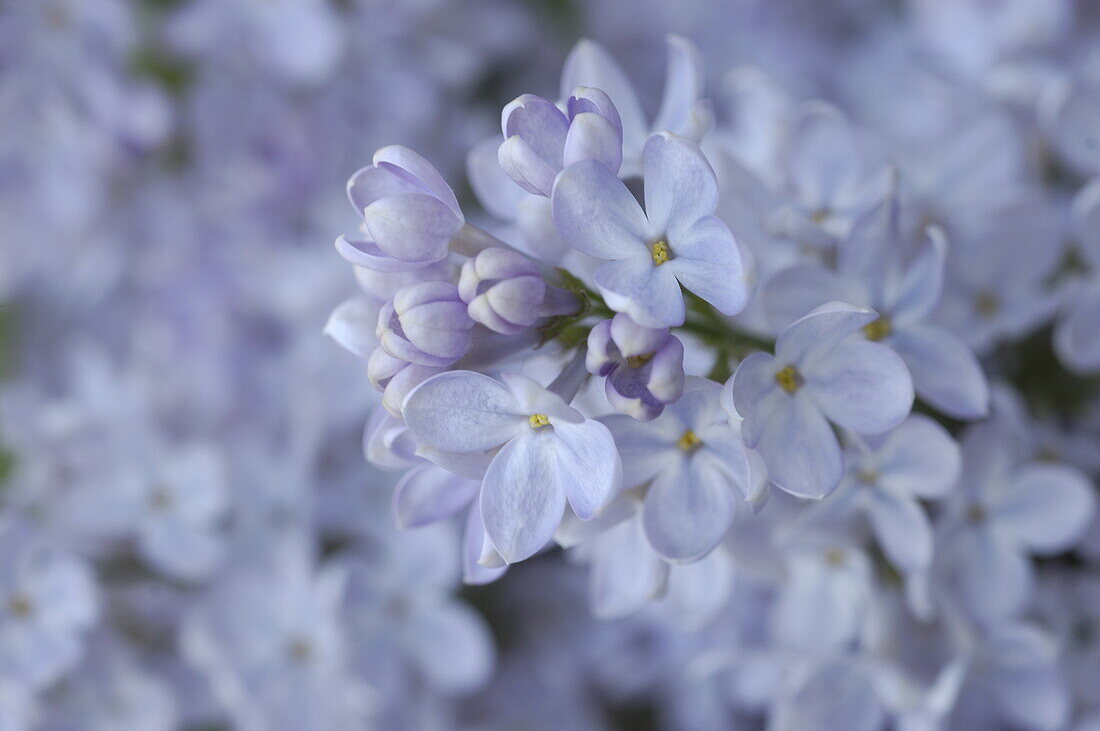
(549, 453)
(885, 478)
(819, 374)
(405, 628)
(48, 601)
(826, 596)
(1006, 510)
(675, 241)
(871, 272)
(643, 367)
(426, 324)
(410, 214)
(695, 468)
(540, 139)
(505, 292)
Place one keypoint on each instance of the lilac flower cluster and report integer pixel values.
(765, 364)
(760, 391)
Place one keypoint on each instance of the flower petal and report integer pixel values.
(589, 64)
(800, 449)
(862, 386)
(597, 215)
(820, 330)
(522, 497)
(919, 458)
(945, 371)
(427, 494)
(688, 510)
(708, 263)
(680, 186)
(1048, 506)
(649, 294)
(412, 227)
(462, 411)
(588, 466)
(901, 529)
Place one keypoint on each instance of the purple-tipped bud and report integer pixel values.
(540, 140)
(503, 290)
(644, 367)
(426, 324)
(409, 212)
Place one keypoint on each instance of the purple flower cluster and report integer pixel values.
(760, 392)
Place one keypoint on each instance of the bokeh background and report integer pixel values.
(182, 471)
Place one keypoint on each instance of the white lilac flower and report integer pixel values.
(550, 454)
(819, 374)
(643, 367)
(48, 602)
(885, 477)
(675, 241)
(871, 272)
(1006, 510)
(540, 140)
(693, 467)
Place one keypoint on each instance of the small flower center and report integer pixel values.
(789, 379)
(976, 513)
(160, 500)
(878, 329)
(987, 304)
(867, 477)
(20, 606)
(637, 361)
(820, 215)
(660, 252)
(835, 556)
(301, 650)
(538, 421)
(689, 442)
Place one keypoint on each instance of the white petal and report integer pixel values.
(862, 386)
(1048, 506)
(919, 458)
(463, 411)
(800, 450)
(680, 186)
(522, 497)
(596, 214)
(626, 573)
(901, 529)
(945, 371)
(688, 510)
(428, 493)
(587, 465)
(453, 647)
(589, 64)
(823, 328)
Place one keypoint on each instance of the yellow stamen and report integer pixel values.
(878, 329)
(637, 361)
(976, 513)
(659, 251)
(537, 421)
(20, 606)
(987, 304)
(689, 442)
(867, 477)
(835, 556)
(789, 379)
